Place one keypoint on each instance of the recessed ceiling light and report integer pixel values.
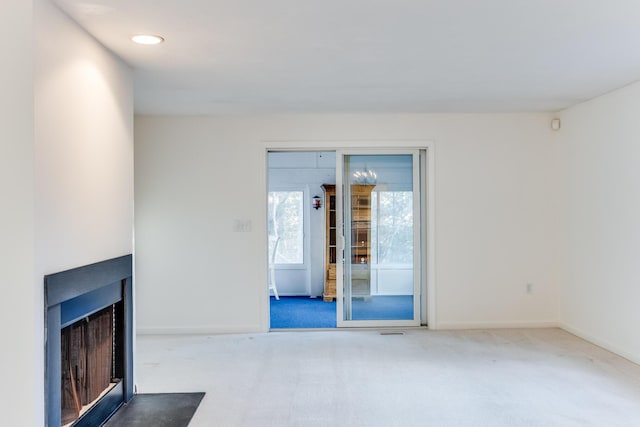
(147, 39)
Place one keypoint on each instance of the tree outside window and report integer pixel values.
(285, 227)
(392, 226)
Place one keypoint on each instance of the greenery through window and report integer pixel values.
(285, 227)
(392, 226)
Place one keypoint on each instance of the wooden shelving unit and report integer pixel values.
(331, 255)
(360, 238)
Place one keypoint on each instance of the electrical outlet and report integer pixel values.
(529, 288)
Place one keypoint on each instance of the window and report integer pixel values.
(285, 227)
(392, 226)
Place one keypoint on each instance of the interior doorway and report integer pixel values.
(347, 238)
(296, 232)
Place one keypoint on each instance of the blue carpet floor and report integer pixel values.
(305, 312)
(388, 307)
(302, 312)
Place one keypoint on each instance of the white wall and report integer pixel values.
(83, 154)
(196, 175)
(599, 150)
(19, 385)
(84, 146)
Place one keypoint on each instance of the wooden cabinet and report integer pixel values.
(331, 254)
(361, 223)
(360, 240)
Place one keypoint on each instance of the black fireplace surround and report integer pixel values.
(71, 296)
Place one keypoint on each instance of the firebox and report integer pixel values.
(89, 357)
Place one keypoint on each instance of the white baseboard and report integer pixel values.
(601, 343)
(495, 325)
(541, 324)
(213, 330)
(201, 330)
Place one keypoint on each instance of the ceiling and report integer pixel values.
(368, 56)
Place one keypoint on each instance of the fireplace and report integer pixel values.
(89, 358)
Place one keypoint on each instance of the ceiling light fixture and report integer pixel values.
(147, 39)
(366, 176)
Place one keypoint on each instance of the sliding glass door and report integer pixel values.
(379, 215)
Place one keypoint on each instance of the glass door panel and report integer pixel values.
(381, 217)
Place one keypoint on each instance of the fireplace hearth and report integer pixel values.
(89, 358)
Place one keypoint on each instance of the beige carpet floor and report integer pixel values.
(527, 377)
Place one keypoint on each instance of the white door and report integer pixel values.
(378, 217)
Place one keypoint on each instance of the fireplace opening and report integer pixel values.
(90, 361)
(89, 342)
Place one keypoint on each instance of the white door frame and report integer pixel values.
(343, 239)
(428, 187)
